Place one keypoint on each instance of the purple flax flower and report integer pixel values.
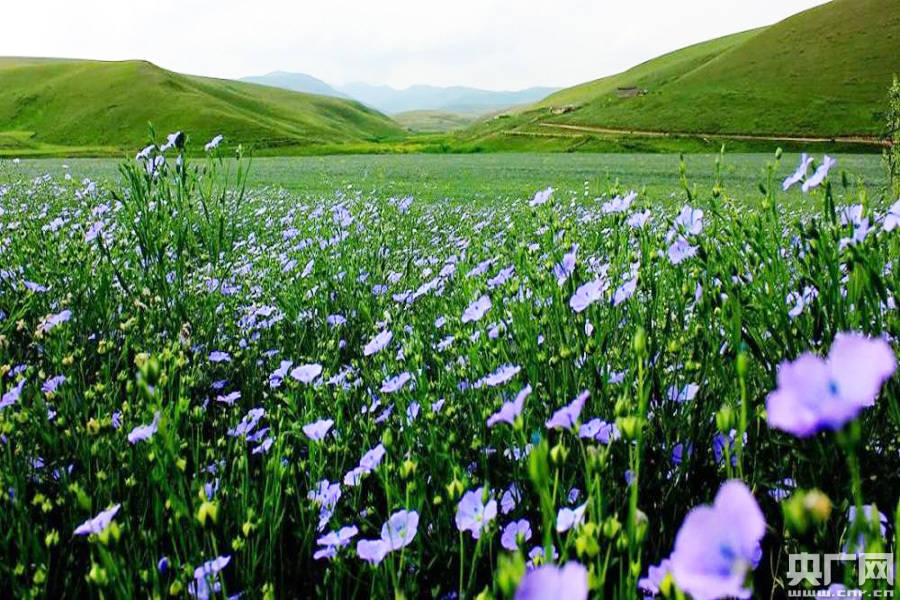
(510, 539)
(229, 399)
(12, 396)
(476, 310)
(681, 451)
(564, 269)
(619, 204)
(93, 231)
(144, 432)
(248, 423)
(328, 552)
(372, 551)
(510, 410)
(218, 356)
(213, 143)
(892, 218)
(549, 581)
(655, 576)
(681, 250)
(277, 376)
(211, 567)
(481, 268)
(393, 384)
(587, 294)
(541, 197)
(326, 494)
(341, 537)
(782, 490)
(690, 219)
(473, 513)
(378, 343)
(204, 575)
(34, 287)
(211, 487)
(501, 277)
(815, 393)
(371, 459)
(859, 235)
(800, 173)
(257, 435)
(332, 541)
(52, 321)
(510, 498)
(336, 320)
(573, 495)
(852, 215)
(625, 291)
(816, 179)
(684, 394)
(400, 530)
(307, 373)
(96, 525)
(173, 140)
(265, 446)
(498, 377)
(567, 416)
(720, 443)
(567, 518)
(639, 219)
(800, 301)
(617, 377)
(718, 545)
(317, 431)
(354, 476)
(597, 429)
(51, 385)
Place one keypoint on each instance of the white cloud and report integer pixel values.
(496, 44)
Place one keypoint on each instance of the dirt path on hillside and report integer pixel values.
(856, 139)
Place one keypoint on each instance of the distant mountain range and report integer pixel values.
(296, 82)
(457, 99)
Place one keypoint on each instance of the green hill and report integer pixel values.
(46, 104)
(823, 72)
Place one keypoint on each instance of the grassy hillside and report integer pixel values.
(823, 72)
(92, 104)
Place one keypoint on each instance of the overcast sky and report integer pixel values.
(494, 44)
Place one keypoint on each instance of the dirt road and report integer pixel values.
(862, 140)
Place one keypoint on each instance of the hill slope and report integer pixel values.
(822, 72)
(296, 82)
(108, 104)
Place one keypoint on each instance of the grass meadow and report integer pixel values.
(473, 376)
